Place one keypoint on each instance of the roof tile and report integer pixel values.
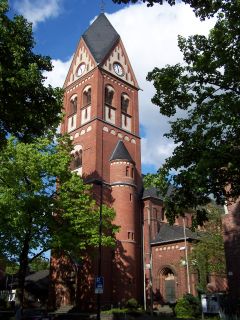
(100, 37)
(121, 153)
(169, 233)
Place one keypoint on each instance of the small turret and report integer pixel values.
(124, 193)
(122, 166)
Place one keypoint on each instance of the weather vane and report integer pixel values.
(102, 6)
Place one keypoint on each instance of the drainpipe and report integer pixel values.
(186, 255)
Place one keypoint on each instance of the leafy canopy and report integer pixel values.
(38, 264)
(205, 161)
(34, 215)
(208, 254)
(187, 307)
(27, 107)
(202, 8)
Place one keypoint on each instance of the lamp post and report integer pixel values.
(149, 219)
(76, 263)
(186, 255)
(150, 260)
(100, 183)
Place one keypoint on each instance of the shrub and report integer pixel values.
(115, 311)
(132, 303)
(183, 309)
(187, 307)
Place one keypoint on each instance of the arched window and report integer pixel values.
(132, 173)
(168, 285)
(76, 154)
(109, 94)
(73, 104)
(78, 159)
(124, 103)
(163, 214)
(125, 112)
(87, 96)
(110, 111)
(155, 214)
(127, 171)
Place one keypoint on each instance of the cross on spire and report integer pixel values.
(102, 6)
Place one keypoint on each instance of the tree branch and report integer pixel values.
(38, 254)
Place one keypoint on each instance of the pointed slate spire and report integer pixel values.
(121, 153)
(100, 37)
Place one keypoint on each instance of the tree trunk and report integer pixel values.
(23, 268)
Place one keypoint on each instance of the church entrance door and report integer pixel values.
(170, 290)
(169, 284)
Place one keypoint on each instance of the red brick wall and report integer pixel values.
(127, 254)
(231, 226)
(172, 256)
(120, 267)
(169, 256)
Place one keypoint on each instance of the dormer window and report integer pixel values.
(87, 96)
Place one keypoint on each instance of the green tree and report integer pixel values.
(205, 160)
(202, 8)
(207, 256)
(27, 107)
(11, 268)
(38, 264)
(188, 307)
(34, 215)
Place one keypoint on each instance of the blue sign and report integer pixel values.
(99, 285)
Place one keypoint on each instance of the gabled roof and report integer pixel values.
(100, 37)
(173, 233)
(38, 282)
(36, 276)
(121, 153)
(153, 192)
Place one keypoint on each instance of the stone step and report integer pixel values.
(63, 309)
(166, 309)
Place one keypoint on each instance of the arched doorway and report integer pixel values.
(168, 285)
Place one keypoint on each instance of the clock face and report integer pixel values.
(80, 69)
(118, 69)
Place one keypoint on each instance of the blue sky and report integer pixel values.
(58, 28)
(149, 36)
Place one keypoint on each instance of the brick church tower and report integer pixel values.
(101, 116)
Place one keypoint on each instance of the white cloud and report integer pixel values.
(150, 38)
(57, 77)
(36, 11)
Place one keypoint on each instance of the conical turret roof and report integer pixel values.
(100, 37)
(121, 153)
